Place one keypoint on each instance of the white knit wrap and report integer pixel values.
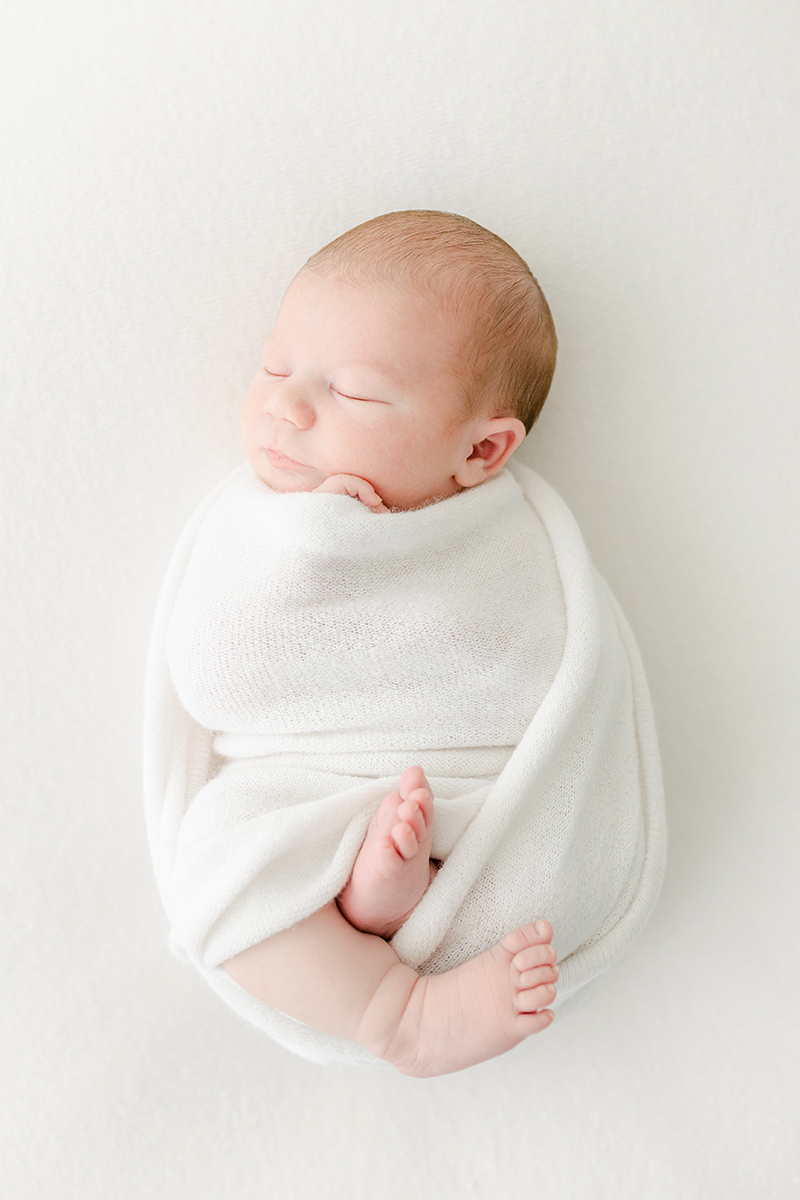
(307, 651)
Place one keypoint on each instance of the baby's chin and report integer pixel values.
(289, 485)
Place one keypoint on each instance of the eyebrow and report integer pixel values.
(378, 368)
(394, 375)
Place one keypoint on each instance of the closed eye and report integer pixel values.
(276, 374)
(358, 399)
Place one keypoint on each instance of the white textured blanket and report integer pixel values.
(306, 651)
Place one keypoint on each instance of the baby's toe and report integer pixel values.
(423, 798)
(536, 933)
(537, 975)
(410, 780)
(534, 956)
(529, 1023)
(414, 813)
(532, 999)
(405, 840)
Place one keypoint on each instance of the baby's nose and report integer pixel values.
(290, 402)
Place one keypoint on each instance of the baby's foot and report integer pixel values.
(469, 1014)
(393, 868)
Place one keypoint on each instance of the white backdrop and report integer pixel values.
(167, 166)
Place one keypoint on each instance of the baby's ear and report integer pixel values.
(496, 439)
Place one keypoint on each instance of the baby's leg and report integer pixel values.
(329, 975)
(393, 868)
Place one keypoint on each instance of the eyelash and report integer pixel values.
(344, 395)
(359, 399)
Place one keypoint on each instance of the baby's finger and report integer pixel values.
(342, 485)
(351, 484)
(333, 485)
(367, 495)
(355, 486)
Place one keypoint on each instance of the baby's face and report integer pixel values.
(359, 380)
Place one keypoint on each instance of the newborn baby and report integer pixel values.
(409, 359)
(375, 385)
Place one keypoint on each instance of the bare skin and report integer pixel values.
(349, 982)
(352, 984)
(361, 395)
(393, 868)
(351, 485)
(470, 1014)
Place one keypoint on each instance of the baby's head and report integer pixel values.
(414, 351)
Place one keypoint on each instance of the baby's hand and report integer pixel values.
(351, 485)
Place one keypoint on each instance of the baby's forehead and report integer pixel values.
(400, 335)
(460, 306)
(431, 274)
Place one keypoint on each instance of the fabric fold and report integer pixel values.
(306, 651)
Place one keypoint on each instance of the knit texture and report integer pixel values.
(307, 651)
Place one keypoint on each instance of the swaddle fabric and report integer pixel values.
(307, 651)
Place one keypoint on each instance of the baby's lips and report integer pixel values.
(273, 454)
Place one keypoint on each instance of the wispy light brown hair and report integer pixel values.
(510, 348)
